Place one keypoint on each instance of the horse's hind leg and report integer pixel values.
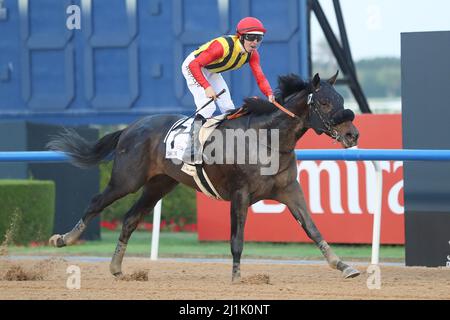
(122, 183)
(97, 204)
(294, 199)
(152, 192)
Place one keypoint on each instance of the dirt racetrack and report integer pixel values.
(175, 280)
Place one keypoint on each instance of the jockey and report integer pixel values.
(202, 69)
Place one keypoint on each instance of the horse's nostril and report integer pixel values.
(352, 136)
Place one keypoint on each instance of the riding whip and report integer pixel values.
(211, 100)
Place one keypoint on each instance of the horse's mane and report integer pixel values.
(287, 85)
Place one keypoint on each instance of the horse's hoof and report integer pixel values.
(235, 280)
(57, 241)
(350, 272)
(116, 270)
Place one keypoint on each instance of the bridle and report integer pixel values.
(313, 107)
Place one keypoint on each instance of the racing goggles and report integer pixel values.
(252, 37)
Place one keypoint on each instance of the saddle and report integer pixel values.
(177, 143)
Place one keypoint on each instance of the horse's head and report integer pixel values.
(327, 113)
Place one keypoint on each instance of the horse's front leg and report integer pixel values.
(239, 207)
(293, 197)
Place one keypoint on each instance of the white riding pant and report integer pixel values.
(217, 83)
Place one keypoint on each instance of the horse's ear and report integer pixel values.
(332, 80)
(316, 82)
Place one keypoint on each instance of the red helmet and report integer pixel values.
(249, 24)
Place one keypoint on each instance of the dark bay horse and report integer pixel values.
(139, 162)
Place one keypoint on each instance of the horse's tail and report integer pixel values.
(82, 153)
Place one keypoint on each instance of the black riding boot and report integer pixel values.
(195, 154)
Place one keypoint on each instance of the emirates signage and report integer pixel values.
(339, 194)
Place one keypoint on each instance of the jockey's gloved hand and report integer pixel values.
(271, 98)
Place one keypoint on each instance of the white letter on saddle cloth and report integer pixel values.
(261, 207)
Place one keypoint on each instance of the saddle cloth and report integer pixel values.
(179, 139)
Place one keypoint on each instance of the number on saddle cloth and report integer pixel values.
(181, 130)
(181, 127)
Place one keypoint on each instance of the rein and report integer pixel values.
(279, 106)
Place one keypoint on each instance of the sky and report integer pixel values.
(374, 26)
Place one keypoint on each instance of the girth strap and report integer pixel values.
(203, 182)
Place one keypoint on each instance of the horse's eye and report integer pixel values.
(326, 106)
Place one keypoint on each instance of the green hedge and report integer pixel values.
(179, 206)
(27, 210)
